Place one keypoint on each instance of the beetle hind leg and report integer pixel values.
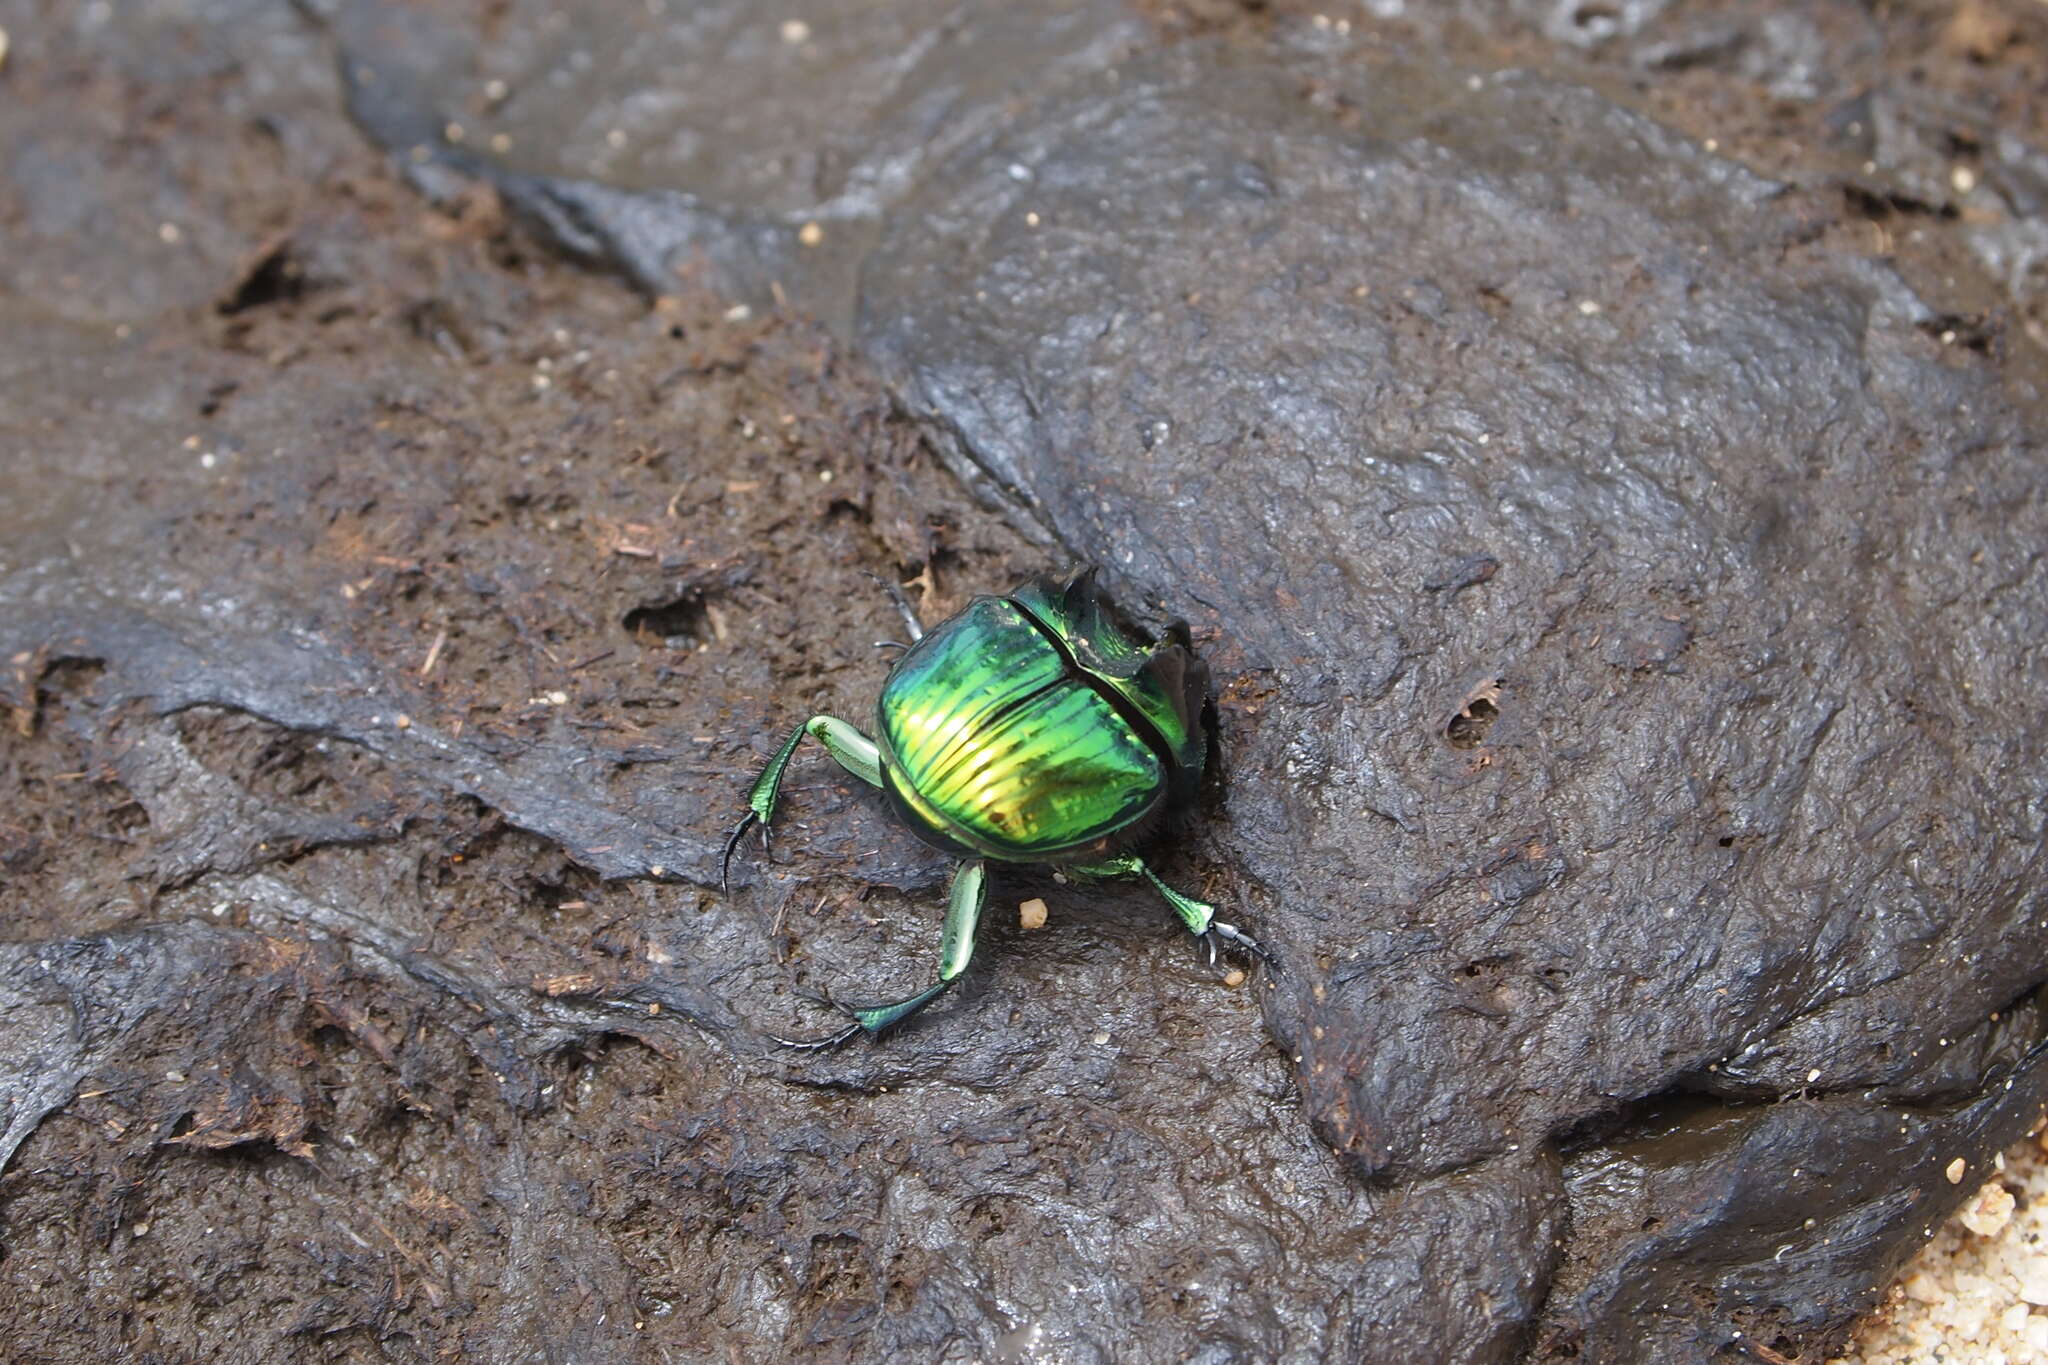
(956, 948)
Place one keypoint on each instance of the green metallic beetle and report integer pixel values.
(1032, 728)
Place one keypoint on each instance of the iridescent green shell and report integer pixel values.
(1037, 728)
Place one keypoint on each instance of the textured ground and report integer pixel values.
(1979, 1291)
(1598, 448)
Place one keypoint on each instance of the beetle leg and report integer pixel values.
(895, 591)
(1218, 929)
(853, 751)
(1198, 916)
(956, 947)
(830, 1040)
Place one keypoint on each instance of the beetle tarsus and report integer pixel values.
(732, 841)
(825, 1044)
(1238, 937)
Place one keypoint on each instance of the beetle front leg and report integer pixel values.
(853, 750)
(956, 948)
(1198, 916)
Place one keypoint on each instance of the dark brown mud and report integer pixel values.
(1598, 448)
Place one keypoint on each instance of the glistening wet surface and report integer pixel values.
(397, 597)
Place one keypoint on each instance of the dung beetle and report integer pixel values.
(1036, 727)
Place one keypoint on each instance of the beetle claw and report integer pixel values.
(732, 841)
(1238, 937)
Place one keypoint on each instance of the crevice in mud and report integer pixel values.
(992, 490)
(1880, 203)
(1982, 335)
(309, 769)
(1468, 724)
(274, 274)
(1952, 1064)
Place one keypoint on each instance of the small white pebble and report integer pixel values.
(1955, 1170)
(1590, 307)
(615, 138)
(1099, 1038)
(1922, 1287)
(208, 460)
(1964, 1320)
(169, 234)
(739, 312)
(1963, 178)
(496, 91)
(795, 31)
(2032, 1274)
(1989, 1212)
(810, 234)
(501, 143)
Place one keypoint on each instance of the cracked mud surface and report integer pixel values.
(1618, 558)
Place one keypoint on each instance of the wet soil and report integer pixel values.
(393, 607)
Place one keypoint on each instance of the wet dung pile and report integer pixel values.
(1599, 457)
